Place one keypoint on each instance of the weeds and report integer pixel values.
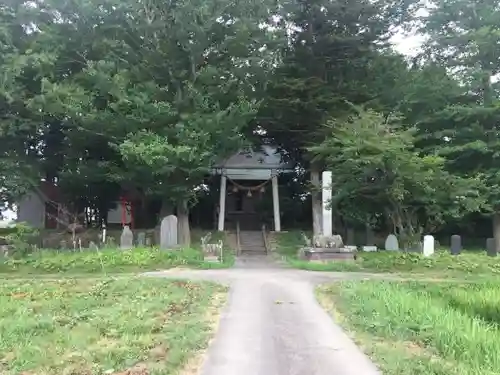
(423, 328)
(108, 261)
(105, 326)
(471, 263)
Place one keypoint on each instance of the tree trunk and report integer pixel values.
(183, 230)
(316, 200)
(496, 230)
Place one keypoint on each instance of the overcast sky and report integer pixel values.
(407, 45)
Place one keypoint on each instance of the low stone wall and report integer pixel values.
(322, 255)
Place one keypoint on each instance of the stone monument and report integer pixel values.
(326, 182)
(326, 249)
(428, 248)
(456, 244)
(168, 232)
(126, 238)
(391, 243)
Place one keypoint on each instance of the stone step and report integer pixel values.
(252, 242)
(252, 239)
(247, 252)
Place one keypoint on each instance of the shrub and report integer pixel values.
(21, 238)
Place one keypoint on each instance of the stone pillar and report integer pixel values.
(276, 204)
(327, 197)
(222, 203)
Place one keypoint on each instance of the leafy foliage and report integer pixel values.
(376, 165)
(330, 62)
(134, 96)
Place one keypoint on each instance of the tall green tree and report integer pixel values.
(20, 133)
(147, 94)
(464, 37)
(379, 173)
(326, 65)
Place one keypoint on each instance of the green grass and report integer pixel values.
(107, 261)
(415, 328)
(442, 263)
(87, 327)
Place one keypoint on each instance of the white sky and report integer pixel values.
(407, 44)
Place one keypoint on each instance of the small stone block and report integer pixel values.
(428, 248)
(391, 243)
(328, 255)
(456, 244)
(126, 238)
(369, 248)
(168, 232)
(212, 259)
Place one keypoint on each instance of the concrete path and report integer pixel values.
(272, 324)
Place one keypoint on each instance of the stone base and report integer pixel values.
(327, 255)
(211, 258)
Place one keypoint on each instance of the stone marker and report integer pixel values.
(428, 248)
(326, 181)
(141, 239)
(456, 244)
(391, 243)
(148, 241)
(369, 248)
(126, 238)
(490, 247)
(168, 232)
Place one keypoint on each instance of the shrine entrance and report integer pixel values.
(244, 202)
(245, 178)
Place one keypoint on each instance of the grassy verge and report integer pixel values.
(106, 261)
(442, 263)
(416, 328)
(107, 326)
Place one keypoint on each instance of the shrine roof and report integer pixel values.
(267, 157)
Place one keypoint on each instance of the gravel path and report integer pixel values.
(272, 324)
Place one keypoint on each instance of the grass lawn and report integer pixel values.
(416, 328)
(442, 263)
(108, 261)
(121, 326)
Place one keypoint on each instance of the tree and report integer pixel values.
(326, 65)
(148, 94)
(464, 36)
(378, 172)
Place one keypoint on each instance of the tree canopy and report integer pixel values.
(106, 97)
